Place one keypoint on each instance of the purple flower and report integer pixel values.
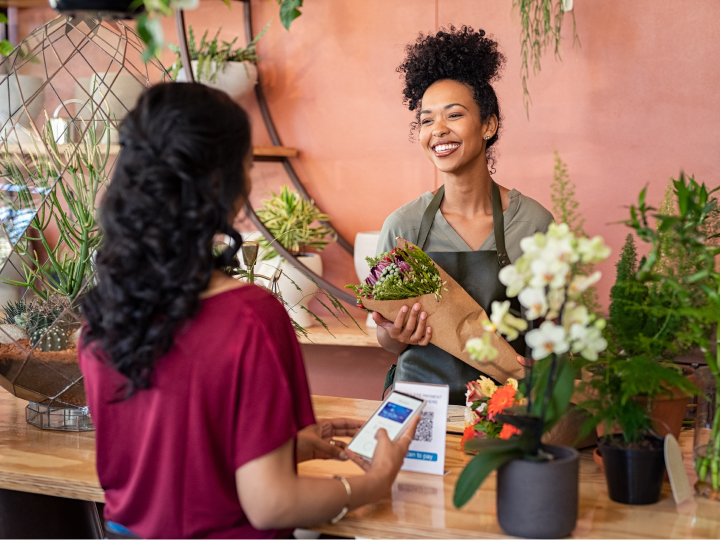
(371, 280)
(402, 265)
(377, 270)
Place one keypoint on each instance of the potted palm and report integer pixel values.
(537, 484)
(695, 230)
(295, 223)
(220, 64)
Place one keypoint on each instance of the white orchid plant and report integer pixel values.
(548, 285)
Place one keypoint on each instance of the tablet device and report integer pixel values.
(393, 415)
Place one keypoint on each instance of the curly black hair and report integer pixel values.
(176, 183)
(462, 55)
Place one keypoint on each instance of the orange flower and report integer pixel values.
(508, 431)
(502, 398)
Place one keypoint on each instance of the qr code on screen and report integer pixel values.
(424, 431)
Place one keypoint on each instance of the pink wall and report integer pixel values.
(634, 105)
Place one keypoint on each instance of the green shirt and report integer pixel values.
(524, 217)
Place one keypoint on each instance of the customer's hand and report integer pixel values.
(388, 457)
(410, 326)
(316, 441)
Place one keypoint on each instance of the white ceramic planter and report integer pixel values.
(115, 93)
(365, 246)
(297, 299)
(14, 90)
(238, 79)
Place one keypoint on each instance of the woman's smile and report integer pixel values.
(445, 148)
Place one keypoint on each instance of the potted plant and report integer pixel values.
(218, 64)
(695, 230)
(537, 484)
(297, 225)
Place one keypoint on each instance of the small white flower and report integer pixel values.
(555, 299)
(580, 284)
(533, 245)
(512, 279)
(512, 382)
(534, 301)
(548, 339)
(587, 340)
(507, 324)
(549, 272)
(593, 250)
(481, 408)
(481, 349)
(575, 314)
(471, 417)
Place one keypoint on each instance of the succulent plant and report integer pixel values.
(51, 340)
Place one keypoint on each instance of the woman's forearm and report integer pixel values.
(388, 343)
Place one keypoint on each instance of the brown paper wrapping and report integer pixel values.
(455, 318)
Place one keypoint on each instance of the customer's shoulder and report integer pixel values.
(248, 301)
(531, 211)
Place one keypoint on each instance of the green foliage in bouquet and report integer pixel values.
(291, 219)
(213, 56)
(695, 228)
(400, 274)
(70, 206)
(566, 210)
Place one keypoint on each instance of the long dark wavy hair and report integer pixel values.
(176, 183)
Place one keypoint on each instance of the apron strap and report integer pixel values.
(429, 217)
(499, 226)
(498, 222)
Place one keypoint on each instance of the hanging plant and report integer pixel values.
(541, 22)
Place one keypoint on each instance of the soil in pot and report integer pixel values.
(539, 499)
(634, 472)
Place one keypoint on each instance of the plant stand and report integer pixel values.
(272, 132)
(58, 419)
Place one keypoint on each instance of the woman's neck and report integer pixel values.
(219, 283)
(468, 192)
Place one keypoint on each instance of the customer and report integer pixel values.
(195, 381)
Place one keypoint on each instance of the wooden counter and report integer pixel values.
(342, 332)
(63, 464)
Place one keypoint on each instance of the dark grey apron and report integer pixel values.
(477, 273)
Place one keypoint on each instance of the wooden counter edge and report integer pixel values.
(56, 487)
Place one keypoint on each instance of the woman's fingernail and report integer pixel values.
(403, 309)
(429, 330)
(343, 456)
(423, 315)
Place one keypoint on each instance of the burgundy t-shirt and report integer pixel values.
(232, 389)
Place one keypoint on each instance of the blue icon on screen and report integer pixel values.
(395, 412)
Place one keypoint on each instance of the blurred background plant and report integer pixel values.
(290, 219)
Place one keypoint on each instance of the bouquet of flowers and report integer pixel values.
(484, 400)
(407, 275)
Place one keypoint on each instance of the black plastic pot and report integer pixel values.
(539, 499)
(633, 476)
(118, 8)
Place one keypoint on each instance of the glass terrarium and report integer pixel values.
(63, 93)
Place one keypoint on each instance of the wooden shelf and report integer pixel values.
(266, 152)
(344, 332)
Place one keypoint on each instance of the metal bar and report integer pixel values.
(289, 257)
(275, 138)
(183, 44)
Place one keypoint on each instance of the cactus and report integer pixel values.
(51, 340)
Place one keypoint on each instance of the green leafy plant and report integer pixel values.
(566, 210)
(541, 22)
(70, 206)
(289, 11)
(698, 291)
(291, 219)
(213, 56)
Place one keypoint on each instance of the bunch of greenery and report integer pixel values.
(541, 22)
(698, 291)
(69, 205)
(290, 219)
(399, 274)
(213, 56)
(566, 210)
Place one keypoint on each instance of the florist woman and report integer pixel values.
(471, 226)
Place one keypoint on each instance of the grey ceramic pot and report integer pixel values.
(539, 499)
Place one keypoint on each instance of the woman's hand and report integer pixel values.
(316, 441)
(407, 329)
(388, 458)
